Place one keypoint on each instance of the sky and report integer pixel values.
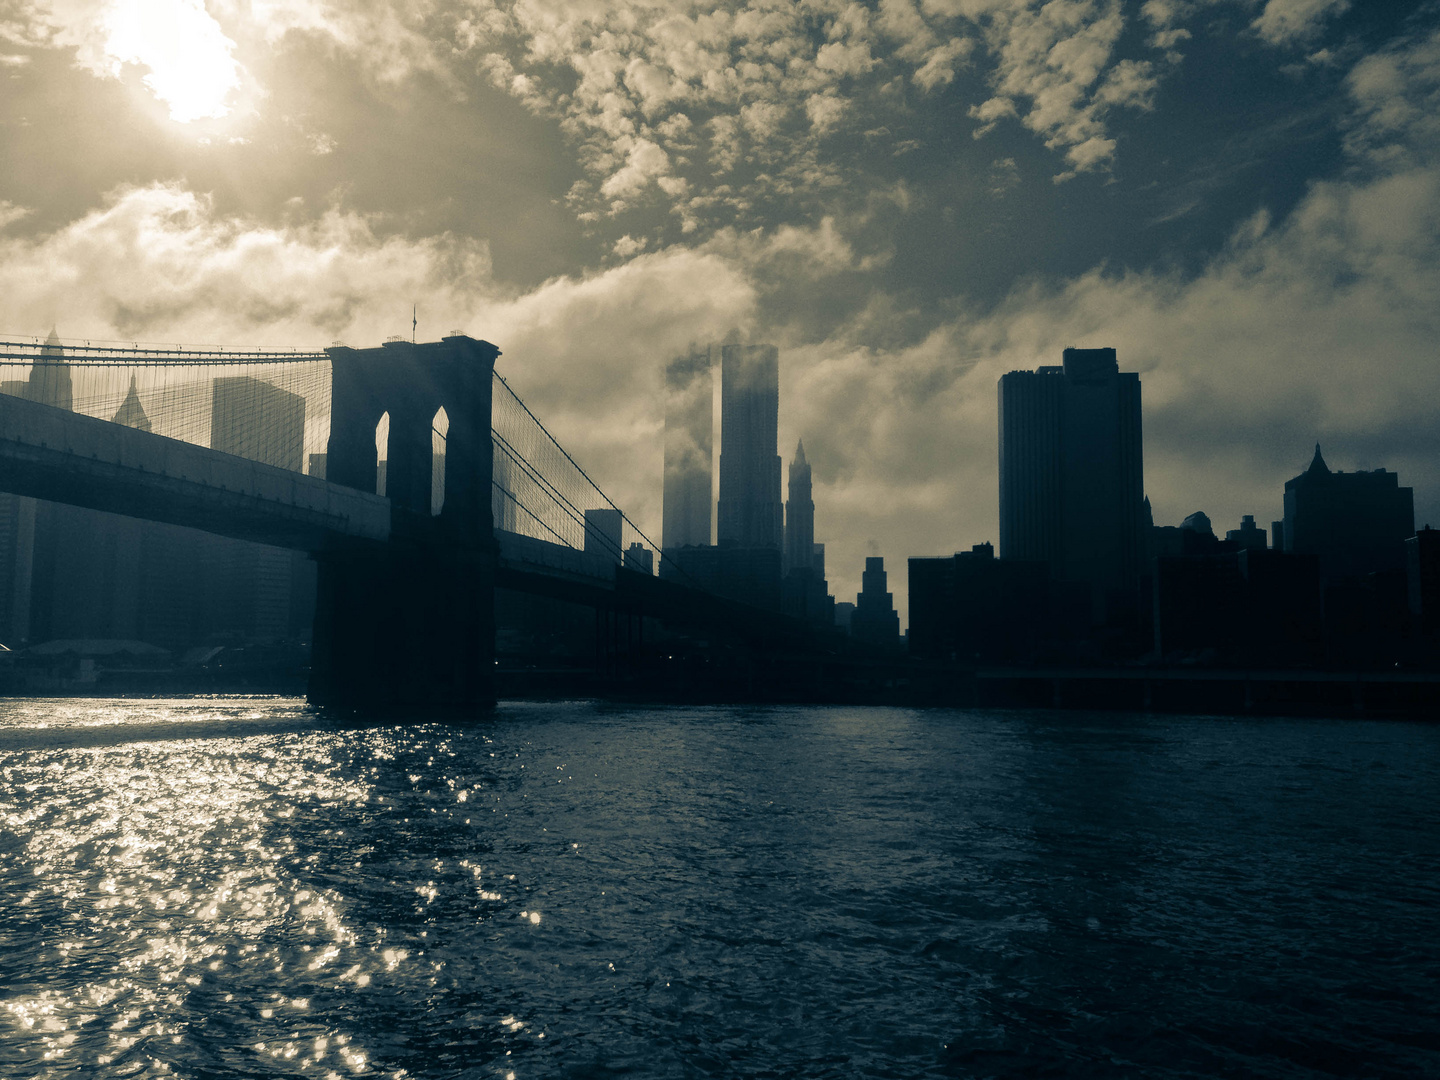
(908, 197)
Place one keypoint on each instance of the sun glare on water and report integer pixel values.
(192, 65)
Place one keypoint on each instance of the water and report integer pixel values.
(238, 888)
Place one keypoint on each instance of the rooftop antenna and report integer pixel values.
(414, 321)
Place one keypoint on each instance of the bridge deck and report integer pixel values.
(55, 454)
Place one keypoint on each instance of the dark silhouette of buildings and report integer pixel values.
(972, 608)
(1071, 474)
(1422, 570)
(1248, 536)
(875, 619)
(688, 450)
(799, 515)
(805, 592)
(603, 533)
(1357, 523)
(750, 511)
(747, 575)
(640, 559)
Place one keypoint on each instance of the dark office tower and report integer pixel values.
(1357, 523)
(875, 619)
(1249, 536)
(689, 394)
(504, 509)
(1071, 477)
(255, 585)
(254, 419)
(603, 529)
(799, 516)
(751, 514)
(640, 559)
(1422, 572)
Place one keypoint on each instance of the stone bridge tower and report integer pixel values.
(409, 625)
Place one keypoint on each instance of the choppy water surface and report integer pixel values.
(239, 888)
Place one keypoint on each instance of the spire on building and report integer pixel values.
(799, 515)
(131, 413)
(1317, 463)
(50, 376)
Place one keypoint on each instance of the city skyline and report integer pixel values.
(1229, 194)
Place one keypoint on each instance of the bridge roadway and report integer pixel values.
(62, 456)
(51, 453)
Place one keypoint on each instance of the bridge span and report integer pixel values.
(405, 592)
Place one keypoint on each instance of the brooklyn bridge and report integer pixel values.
(432, 485)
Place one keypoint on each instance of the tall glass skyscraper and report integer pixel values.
(1072, 487)
(751, 514)
(689, 391)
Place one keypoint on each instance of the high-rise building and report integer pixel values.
(504, 508)
(689, 392)
(253, 419)
(875, 619)
(1357, 523)
(1249, 536)
(1071, 476)
(640, 559)
(603, 534)
(255, 585)
(750, 512)
(799, 515)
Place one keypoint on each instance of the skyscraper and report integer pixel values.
(604, 529)
(1357, 523)
(1071, 472)
(256, 594)
(875, 619)
(750, 512)
(254, 419)
(688, 449)
(799, 515)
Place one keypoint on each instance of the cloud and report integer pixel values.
(1289, 22)
(160, 260)
(189, 60)
(10, 213)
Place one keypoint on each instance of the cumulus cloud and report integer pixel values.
(763, 82)
(1287, 22)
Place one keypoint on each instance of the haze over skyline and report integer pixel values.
(908, 199)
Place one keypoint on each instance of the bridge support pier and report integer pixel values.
(409, 625)
(404, 629)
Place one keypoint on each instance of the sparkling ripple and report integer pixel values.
(242, 888)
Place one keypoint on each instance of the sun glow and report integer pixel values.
(192, 65)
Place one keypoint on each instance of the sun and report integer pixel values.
(192, 65)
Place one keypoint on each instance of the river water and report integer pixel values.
(242, 888)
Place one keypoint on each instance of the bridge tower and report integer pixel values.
(410, 624)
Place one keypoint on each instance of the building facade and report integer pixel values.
(799, 515)
(751, 514)
(1356, 523)
(689, 446)
(1071, 473)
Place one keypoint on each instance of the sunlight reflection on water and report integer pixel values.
(239, 887)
